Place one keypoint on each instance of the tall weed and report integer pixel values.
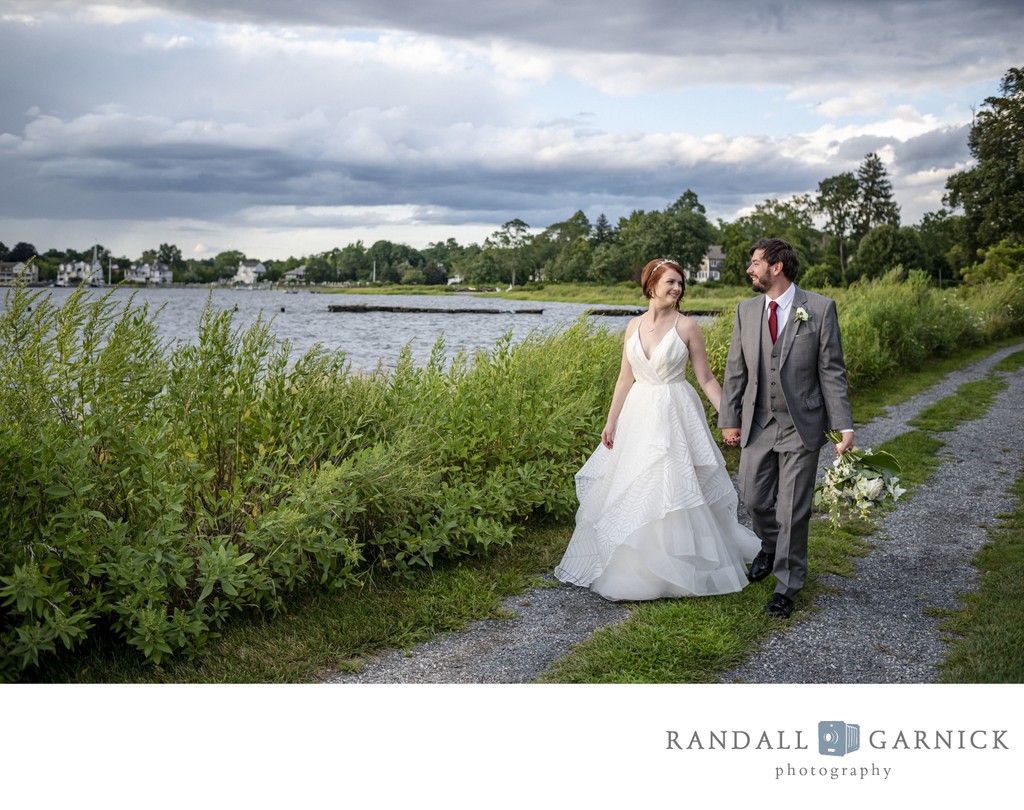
(150, 492)
(998, 307)
(897, 323)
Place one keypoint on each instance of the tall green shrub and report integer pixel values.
(897, 323)
(151, 492)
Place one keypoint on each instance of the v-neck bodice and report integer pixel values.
(667, 363)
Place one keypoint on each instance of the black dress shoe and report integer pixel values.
(762, 566)
(779, 606)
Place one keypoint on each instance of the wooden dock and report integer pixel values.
(440, 310)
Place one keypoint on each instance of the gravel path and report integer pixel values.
(873, 629)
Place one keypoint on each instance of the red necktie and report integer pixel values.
(773, 320)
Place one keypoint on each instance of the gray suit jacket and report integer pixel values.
(813, 372)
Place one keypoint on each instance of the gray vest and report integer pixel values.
(771, 402)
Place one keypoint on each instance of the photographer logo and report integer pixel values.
(837, 739)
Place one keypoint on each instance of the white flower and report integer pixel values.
(801, 315)
(894, 489)
(857, 482)
(869, 489)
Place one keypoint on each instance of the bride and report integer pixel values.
(657, 514)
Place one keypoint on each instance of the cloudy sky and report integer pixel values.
(288, 127)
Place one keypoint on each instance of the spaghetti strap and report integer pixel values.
(657, 512)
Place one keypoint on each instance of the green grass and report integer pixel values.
(676, 641)
(626, 294)
(868, 404)
(390, 289)
(692, 641)
(987, 644)
(1011, 362)
(988, 633)
(328, 631)
(669, 641)
(971, 402)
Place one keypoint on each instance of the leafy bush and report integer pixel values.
(898, 322)
(998, 307)
(150, 491)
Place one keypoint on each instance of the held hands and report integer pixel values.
(731, 436)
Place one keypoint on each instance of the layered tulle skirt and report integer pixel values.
(657, 515)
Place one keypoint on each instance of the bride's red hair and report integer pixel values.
(653, 271)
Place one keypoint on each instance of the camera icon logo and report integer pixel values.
(837, 739)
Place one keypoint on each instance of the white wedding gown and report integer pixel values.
(657, 515)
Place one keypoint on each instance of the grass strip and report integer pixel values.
(987, 643)
(988, 633)
(326, 631)
(660, 642)
(692, 641)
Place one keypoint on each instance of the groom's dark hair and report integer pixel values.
(779, 250)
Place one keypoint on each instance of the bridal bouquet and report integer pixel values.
(858, 481)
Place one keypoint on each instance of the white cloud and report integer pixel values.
(280, 122)
(862, 103)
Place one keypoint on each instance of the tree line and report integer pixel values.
(977, 233)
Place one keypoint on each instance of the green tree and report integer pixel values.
(575, 227)
(202, 271)
(681, 232)
(509, 245)
(274, 271)
(387, 260)
(641, 239)
(791, 220)
(413, 275)
(484, 268)
(171, 256)
(444, 260)
(603, 231)
(319, 270)
(940, 244)
(352, 264)
(435, 273)
(225, 264)
(991, 193)
(563, 249)
(875, 204)
(608, 265)
(884, 248)
(997, 263)
(574, 262)
(689, 231)
(21, 252)
(837, 200)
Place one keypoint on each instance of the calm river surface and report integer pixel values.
(365, 337)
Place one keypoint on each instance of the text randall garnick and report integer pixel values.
(793, 740)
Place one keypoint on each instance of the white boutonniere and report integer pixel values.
(801, 316)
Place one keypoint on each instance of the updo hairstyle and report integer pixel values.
(653, 271)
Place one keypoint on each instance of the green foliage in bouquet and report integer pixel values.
(857, 483)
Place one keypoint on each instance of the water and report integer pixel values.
(366, 338)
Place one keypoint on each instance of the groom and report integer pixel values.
(785, 386)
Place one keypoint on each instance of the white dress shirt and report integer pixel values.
(785, 302)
